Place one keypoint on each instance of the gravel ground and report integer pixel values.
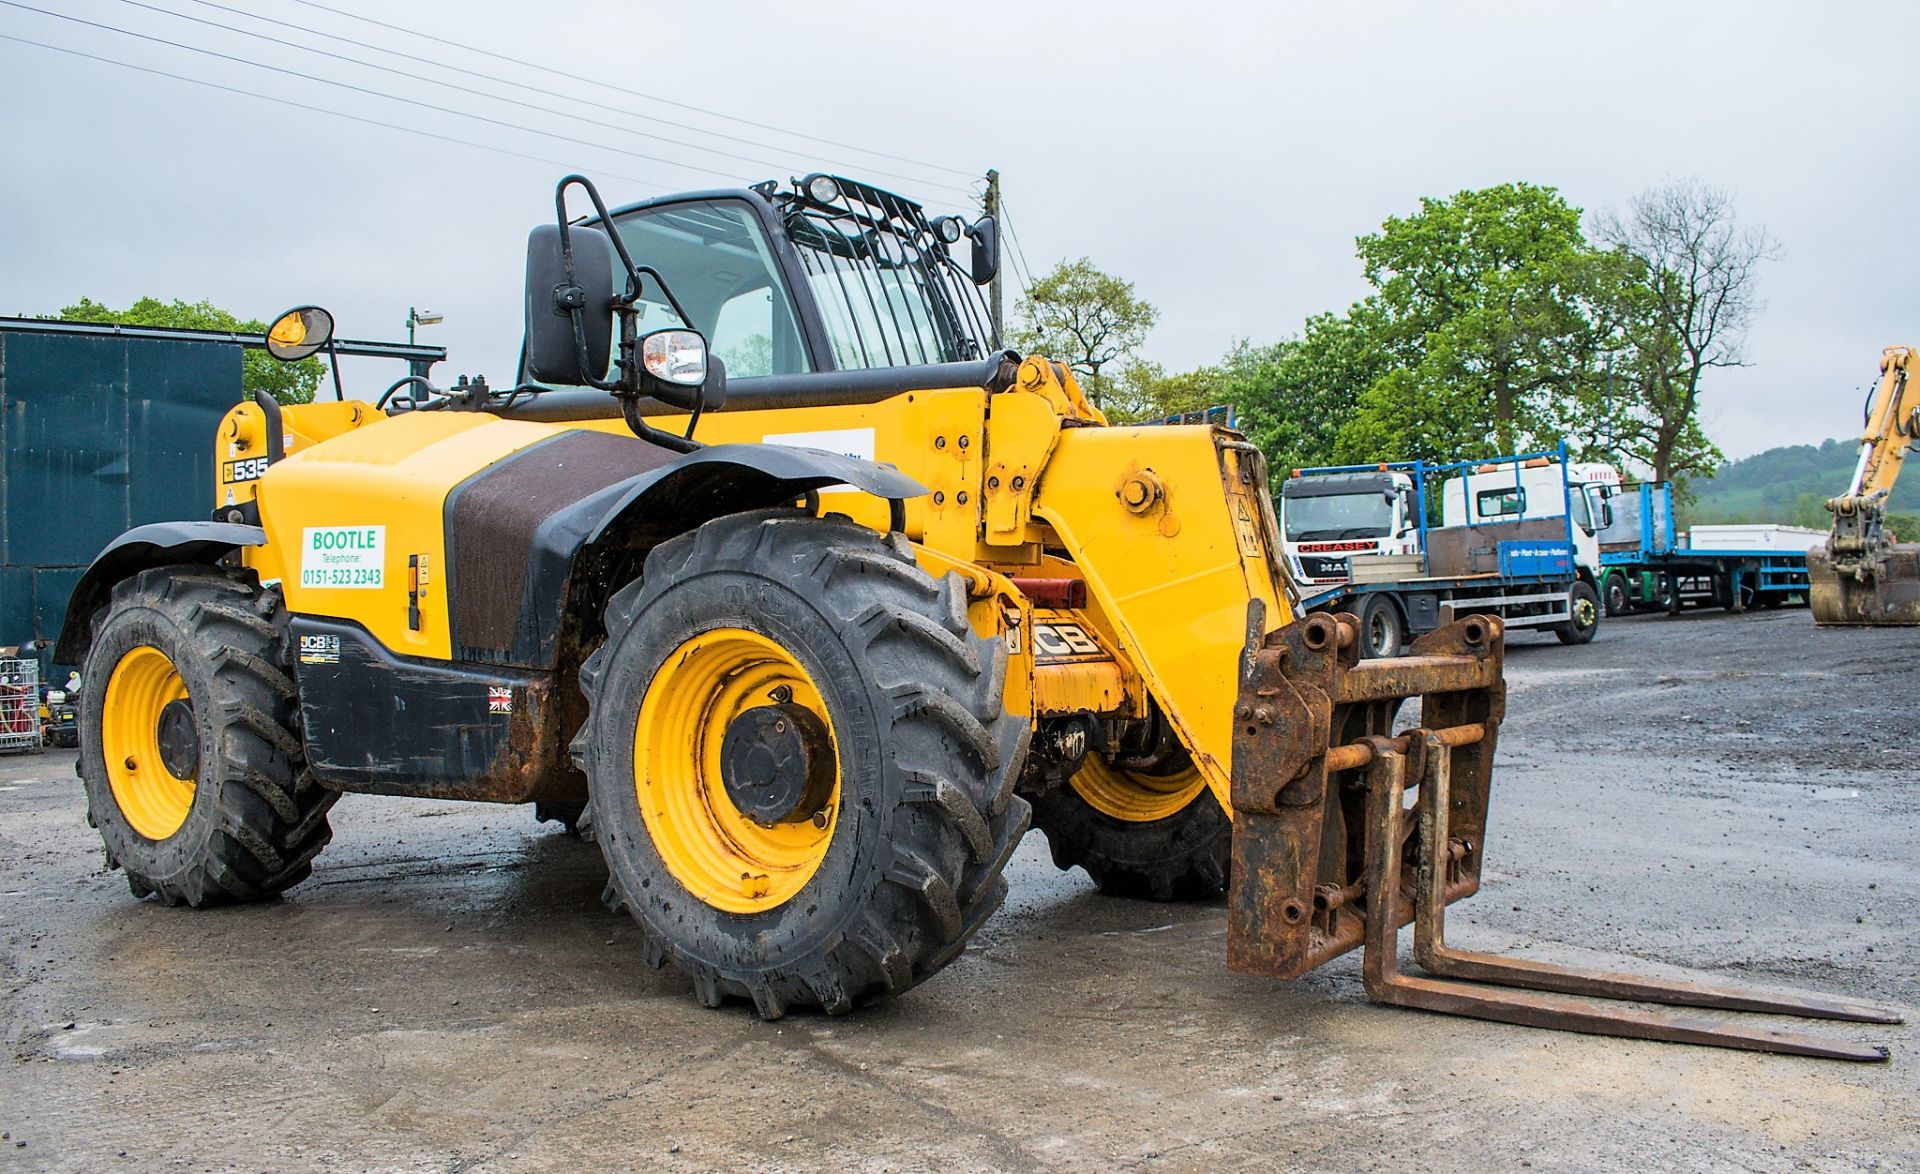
(1733, 794)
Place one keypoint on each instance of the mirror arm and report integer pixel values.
(333, 356)
(630, 411)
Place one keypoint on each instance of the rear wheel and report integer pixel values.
(801, 763)
(189, 752)
(1584, 604)
(1383, 632)
(1153, 837)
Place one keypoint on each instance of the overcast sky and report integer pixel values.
(1222, 157)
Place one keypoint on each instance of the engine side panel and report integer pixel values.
(356, 526)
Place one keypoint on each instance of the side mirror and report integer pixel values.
(1606, 514)
(555, 300)
(985, 235)
(676, 369)
(298, 333)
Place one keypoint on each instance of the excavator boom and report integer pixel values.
(1863, 576)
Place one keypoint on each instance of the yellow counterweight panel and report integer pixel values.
(343, 519)
(1166, 527)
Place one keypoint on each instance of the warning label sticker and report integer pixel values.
(343, 556)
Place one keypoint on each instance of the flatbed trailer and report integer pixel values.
(1523, 567)
(1645, 567)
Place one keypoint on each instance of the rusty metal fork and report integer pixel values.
(1387, 834)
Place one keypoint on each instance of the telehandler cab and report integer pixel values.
(779, 574)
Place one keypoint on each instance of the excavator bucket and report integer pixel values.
(1879, 590)
(1349, 823)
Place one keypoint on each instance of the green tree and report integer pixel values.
(1143, 390)
(289, 383)
(1293, 398)
(1491, 311)
(1083, 317)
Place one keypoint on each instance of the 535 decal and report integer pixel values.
(249, 469)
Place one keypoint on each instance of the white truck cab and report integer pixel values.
(1328, 517)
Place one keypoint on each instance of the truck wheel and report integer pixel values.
(1618, 603)
(193, 768)
(800, 762)
(1158, 838)
(1382, 631)
(1584, 602)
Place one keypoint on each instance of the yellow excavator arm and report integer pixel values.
(1862, 576)
(1893, 421)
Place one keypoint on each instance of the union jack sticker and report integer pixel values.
(499, 699)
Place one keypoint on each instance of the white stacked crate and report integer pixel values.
(19, 705)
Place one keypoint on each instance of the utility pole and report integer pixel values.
(995, 304)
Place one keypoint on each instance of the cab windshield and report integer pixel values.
(1347, 515)
(718, 263)
(888, 288)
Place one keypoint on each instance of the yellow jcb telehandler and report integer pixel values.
(1862, 576)
(805, 598)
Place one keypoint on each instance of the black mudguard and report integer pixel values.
(156, 545)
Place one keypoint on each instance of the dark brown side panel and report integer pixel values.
(512, 536)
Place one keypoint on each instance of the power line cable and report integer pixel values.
(370, 92)
(421, 61)
(449, 85)
(1018, 250)
(179, 77)
(633, 93)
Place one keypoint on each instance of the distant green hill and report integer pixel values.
(1790, 485)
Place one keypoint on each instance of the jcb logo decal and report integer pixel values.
(1062, 641)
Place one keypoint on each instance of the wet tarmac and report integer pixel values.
(1739, 795)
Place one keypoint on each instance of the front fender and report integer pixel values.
(729, 478)
(156, 545)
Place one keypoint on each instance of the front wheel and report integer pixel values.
(193, 767)
(800, 762)
(1583, 602)
(1618, 601)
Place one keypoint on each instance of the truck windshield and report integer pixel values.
(1347, 515)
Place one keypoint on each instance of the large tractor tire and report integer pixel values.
(1149, 837)
(800, 762)
(189, 747)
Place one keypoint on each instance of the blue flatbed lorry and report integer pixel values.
(1517, 540)
(1646, 566)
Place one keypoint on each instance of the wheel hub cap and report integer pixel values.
(777, 764)
(179, 745)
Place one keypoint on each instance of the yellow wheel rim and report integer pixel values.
(153, 799)
(725, 859)
(1132, 796)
